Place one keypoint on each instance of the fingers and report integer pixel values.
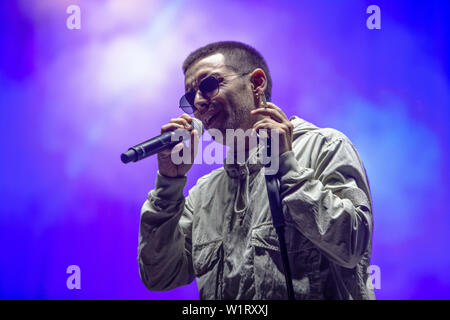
(172, 127)
(275, 119)
(188, 146)
(182, 122)
(187, 149)
(186, 117)
(271, 111)
(271, 124)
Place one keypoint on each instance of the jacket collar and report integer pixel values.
(242, 170)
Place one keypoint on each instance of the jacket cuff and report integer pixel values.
(170, 189)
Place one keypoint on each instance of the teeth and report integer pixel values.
(209, 118)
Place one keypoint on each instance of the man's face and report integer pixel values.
(230, 108)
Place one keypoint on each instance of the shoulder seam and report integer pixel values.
(329, 140)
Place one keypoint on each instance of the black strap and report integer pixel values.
(273, 191)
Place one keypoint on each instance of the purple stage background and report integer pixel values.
(73, 100)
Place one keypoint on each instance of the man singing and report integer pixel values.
(222, 233)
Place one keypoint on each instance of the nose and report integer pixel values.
(200, 103)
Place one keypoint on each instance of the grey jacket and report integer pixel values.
(222, 233)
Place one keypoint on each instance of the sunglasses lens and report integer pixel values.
(190, 97)
(209, 87)
(187, 102)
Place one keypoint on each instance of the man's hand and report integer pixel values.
(275, 119)
(166, 166)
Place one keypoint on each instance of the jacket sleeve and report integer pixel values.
(330, 203)
(165, 241)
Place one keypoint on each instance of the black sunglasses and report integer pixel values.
(209, 88)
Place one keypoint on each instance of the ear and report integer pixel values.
(258, 81)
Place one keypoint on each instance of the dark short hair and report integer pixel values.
(240, 57)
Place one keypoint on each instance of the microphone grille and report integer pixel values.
(198, 125)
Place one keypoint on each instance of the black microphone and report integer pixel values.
(157, 144)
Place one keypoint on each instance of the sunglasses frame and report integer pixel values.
(185, 103)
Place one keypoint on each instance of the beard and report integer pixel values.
(236, 115)
(241, 117)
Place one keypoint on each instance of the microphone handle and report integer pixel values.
(150, 147)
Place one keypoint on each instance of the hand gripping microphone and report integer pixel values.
(157, 144)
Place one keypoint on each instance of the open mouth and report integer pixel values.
(211, 119)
